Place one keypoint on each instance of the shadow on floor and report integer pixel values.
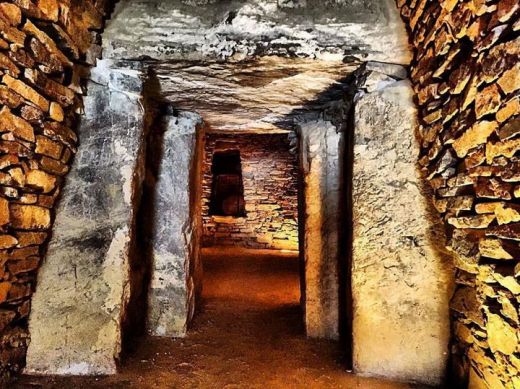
(247, 334)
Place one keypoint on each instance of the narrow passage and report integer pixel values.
(248, 334)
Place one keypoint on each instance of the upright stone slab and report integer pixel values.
(320, 151)
(400, 277)
(176, 216)
(84, 284)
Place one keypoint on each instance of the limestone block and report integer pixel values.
(84, 283)
(320, 150)
(176, 233)
(207, 30)
(401, 276)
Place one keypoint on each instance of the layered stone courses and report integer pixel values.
(467, 79)
(270, 177)
(43, 50)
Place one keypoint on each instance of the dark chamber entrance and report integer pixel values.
(227, 194)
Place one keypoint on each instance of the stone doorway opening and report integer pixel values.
(257, 206)
(250, 231)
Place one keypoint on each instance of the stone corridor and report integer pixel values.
(248, 334)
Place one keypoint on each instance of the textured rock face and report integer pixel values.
(76, 323)
(270, 179)
(401, 281)
(466, 80)
(239, 30)
(177, 225)
(320, 149)
(260, 95)
(41, 46)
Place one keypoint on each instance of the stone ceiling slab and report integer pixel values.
(238, 30)
(260, 96)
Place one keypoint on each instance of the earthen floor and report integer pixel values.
(247, 334)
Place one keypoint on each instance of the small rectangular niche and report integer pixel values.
(227, 192)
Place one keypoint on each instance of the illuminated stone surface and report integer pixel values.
(401, 279)
(76, 323)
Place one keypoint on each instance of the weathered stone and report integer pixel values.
(487, 101)
(59, 132)
(5, 318)
(510, 129)
(18, 176)
(507, 213)
(479, 221)
(10, 13)
(11, 34)
(49, 62)
(53, 166)
(501, 336)
(506, 9)
(506, 148)
(51, 88)
(494, 248)
(24, 265)
(507, 231)
(4, 212)
(204, 31)
(47, 147)
(30, 238)
(8, 65)
(383, 260)
(510, 80)
(466, 303)
(18, 126)
(27, 92)
(512, 107)
(493, 189)
(475, 136)
(49, 44)
(56, 112)
(41, 180)
(21, 58)
(90, 247)
(29, 217)
(176, 240)
(10, 98)
(7, 241)
(18, 291)
(318, 137)
(32, 114)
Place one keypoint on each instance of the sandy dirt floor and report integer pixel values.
(248, 333)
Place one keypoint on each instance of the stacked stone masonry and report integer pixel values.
(466, 75)
(270, 178)
(45, 49)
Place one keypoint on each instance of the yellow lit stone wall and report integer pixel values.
(45, 49)
(466, 76)
(270, 177)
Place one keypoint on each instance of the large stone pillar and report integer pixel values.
(84, 284)
(401, 278)
(176, 216)
(320, 154)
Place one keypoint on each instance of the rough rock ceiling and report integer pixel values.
(237, 30)
(254, 65)
(262, 95)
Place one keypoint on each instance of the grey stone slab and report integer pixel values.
(84, 283)
(240, 30)
(176, 233)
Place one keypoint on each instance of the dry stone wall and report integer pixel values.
(44, 47)
(466, 75)
(270, 177)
